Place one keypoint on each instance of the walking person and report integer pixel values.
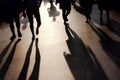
(104, 5)
(87, 6)
(13, 8)
(32, 9)
(65, 6)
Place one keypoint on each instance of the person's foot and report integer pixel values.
(33, 37)
(65, 23)
(19, 34)
(66, 19)
(12, 37)
(37, 30)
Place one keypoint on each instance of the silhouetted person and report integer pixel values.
(13, 9)
(32, 9)
(104, 5)
(87, 6)
(65, 6)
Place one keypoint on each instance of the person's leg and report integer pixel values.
(30, 17)
(86, 14)
(11, 24)
(17, 21)
(64, 15)
(67, 13)
(38, 19)
(89, 12)
(86, 10)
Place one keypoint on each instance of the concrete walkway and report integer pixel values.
(77, 51)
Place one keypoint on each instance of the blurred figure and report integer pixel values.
(104, 5)
(53, 12)
(87, 6)
(13, 9)
(32, 9)
(65, 5)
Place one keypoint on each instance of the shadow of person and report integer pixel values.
(97, 64)
(2, 54)
(53, 12)
(24, 70)
(110, 46)
(114, 27)
(35, 72)
(8, 61)
(79, 61)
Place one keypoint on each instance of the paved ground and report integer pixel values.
(77, 51)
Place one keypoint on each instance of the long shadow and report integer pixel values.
(2, 54)
(98, 66)
(53, 12)
(24, 70)
(35, 73)
(114, 27)
(110, 46)
(79, 61)
(6, 65)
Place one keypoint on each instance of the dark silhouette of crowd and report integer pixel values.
(13, 8)
(30, 8)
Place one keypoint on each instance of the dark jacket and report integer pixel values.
(13, 6)
(86, 2)
(65, 4)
